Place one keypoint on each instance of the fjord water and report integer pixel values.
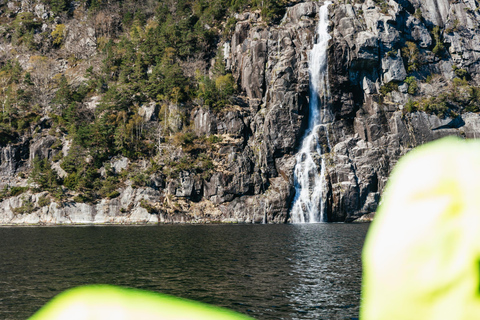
(309, 173)
(265, 271)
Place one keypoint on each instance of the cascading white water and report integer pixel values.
(309, 174)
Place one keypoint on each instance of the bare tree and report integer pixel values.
(42, 71)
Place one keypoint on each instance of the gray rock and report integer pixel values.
(205, 122)
(119, 164)
(149, 111)
(393, 68)
(41, 148)
(419, 32)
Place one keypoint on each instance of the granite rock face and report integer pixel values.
(372, 129)
(375, 53)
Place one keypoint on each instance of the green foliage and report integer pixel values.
(459, 72)
(388, 87)
(139, 180)
(412, 85)
(150, 208)
(229, 27)
(392, 53)
(197, 161)
(63, 96)
(384, 6)
(207, 91)
(184, 139)
(113, 194)
(411, 55)
(28, 79)
(435, 106)
(457, 82)
(7, 192)
(58, 34)
(24, 26)
(225, 85)
(215, 94)
(167, 79)
(462, 97)
(44, 201)
(270, 10)
(472, 108)
(74, 161)
(84, 198)
(439, 46)
(71, 181)
(59, 6)
(418, 14)
(474, 99)
(410, 106)
(27, 206)
(214, 139)
(7, 135)
(15, 191)
(11, 72)
(43, 175)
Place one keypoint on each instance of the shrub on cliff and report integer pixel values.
(24, 25)
(44, 201)
(388, 87)
(410, 106)
(27, 206)
(411, 55)
(59, 6)
(439, 46)
(459, 72)
(412, 85)
(58, 35)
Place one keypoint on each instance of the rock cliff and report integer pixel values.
(401, 73)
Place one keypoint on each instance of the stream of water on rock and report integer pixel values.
(309, 173)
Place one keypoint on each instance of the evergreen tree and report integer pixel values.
(43, 174)
(63, 96)
(59, 6)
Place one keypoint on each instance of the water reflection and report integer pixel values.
(266, 271)
(328, 271)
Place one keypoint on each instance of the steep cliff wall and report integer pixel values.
(401, 74)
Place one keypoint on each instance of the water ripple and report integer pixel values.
(265, 271)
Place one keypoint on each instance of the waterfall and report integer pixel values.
(309, 173)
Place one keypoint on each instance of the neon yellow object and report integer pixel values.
(422, 253)
(110, 302)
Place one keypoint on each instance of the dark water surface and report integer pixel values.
(265, 271)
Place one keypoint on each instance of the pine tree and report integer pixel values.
(59, 6)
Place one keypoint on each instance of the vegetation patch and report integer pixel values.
(388, 87)
(27, 207)
(412, 85)
(148, 206)
(44, 201)
(411, 56)
(459, 98)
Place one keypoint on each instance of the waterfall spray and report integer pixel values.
(309, 173)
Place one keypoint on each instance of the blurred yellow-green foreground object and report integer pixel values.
(421, 257)
(108, 302)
